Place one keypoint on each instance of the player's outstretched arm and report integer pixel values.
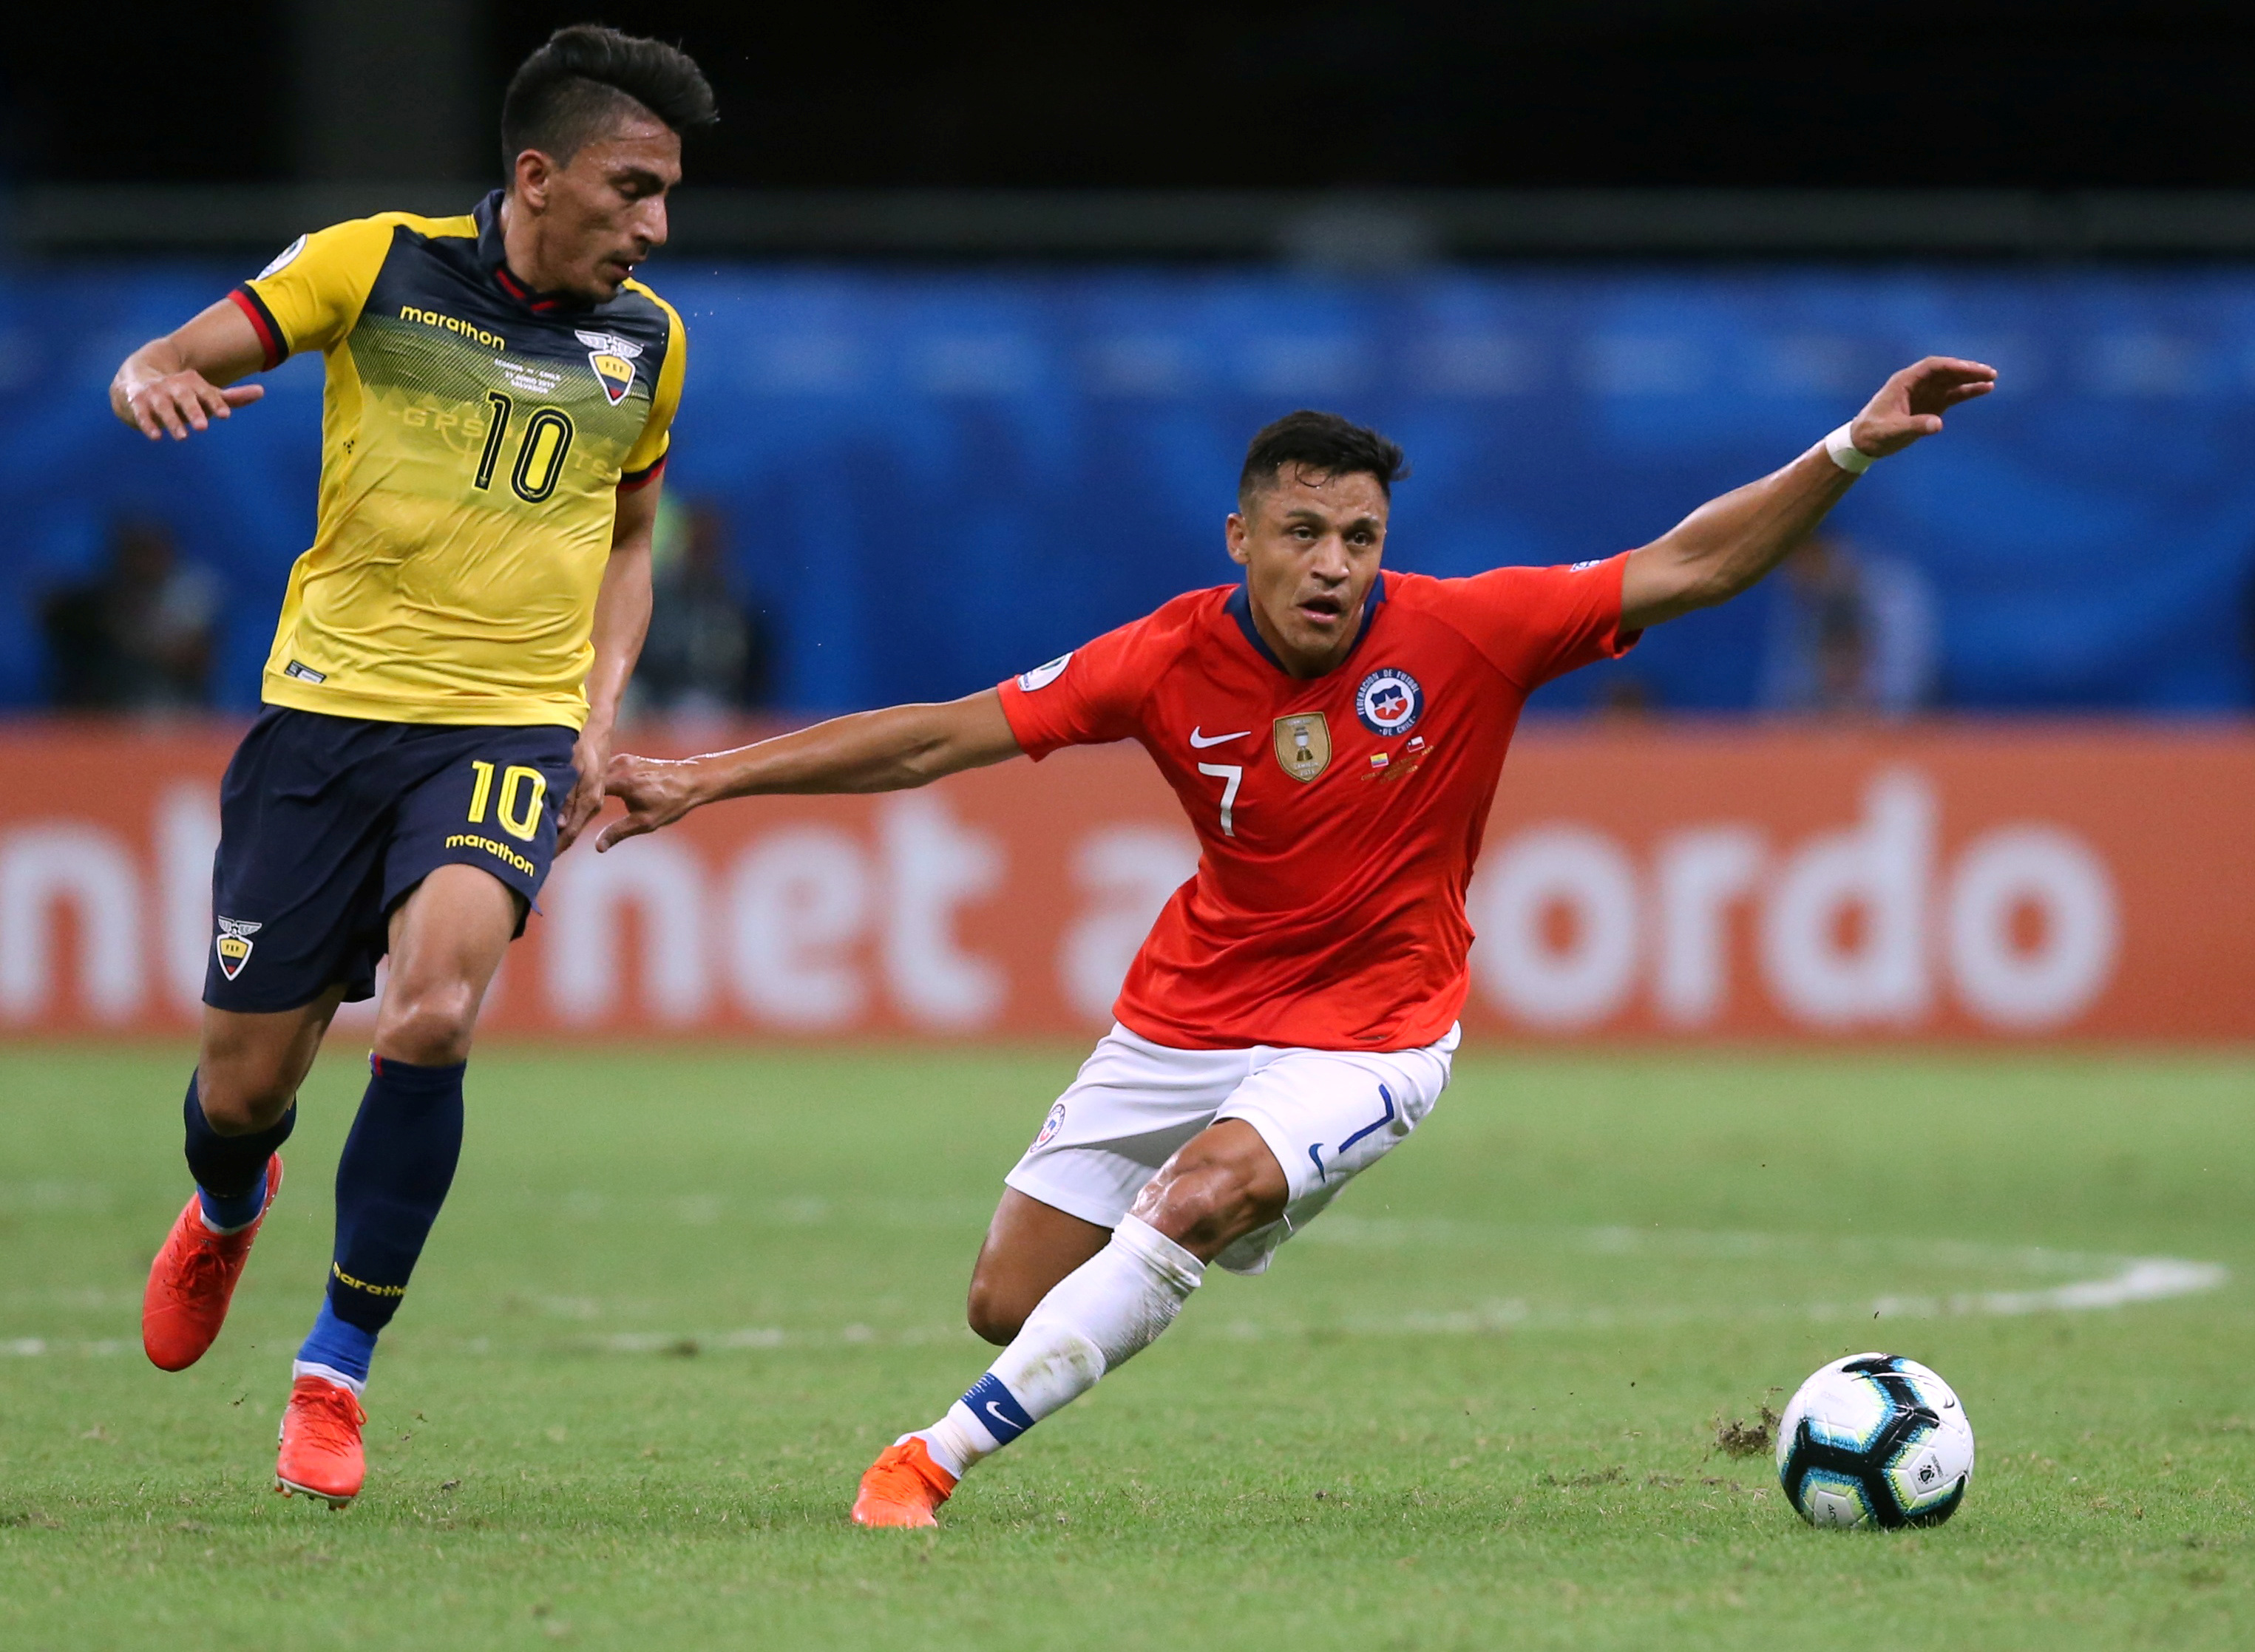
(887, 751)
(185, 379)
(1729, 543)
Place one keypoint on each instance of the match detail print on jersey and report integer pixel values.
(475, 439)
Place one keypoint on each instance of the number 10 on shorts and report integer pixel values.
(523, 791)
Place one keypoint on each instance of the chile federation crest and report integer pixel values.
(1389, 702)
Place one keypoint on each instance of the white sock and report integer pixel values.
(327, 1374)
(1094, 1320)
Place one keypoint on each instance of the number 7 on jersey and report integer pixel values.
(1231, 775)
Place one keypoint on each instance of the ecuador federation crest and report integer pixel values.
(234, 945)
(613, 358)
(1303, 745)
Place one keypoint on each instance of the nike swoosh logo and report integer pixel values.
(995, 1411)
(1201, 741)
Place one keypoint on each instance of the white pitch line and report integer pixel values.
(2138, 1279)
(31, 1348)
(768, 1336)
(2141, 1279)
(2135, 1279)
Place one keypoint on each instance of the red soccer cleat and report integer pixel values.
(902, 1487)
(320, 1443)
(192, 1280)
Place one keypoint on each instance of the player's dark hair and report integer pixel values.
(588, 78)
(1324, 443)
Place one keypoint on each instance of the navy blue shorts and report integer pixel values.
(328, 822)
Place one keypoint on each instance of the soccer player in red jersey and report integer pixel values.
(1335, 734)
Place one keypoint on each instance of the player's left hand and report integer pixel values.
(1910, 405)
(591, 757)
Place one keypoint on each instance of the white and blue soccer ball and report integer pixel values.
(1875, 1440)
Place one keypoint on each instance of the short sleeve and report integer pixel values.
(1535, 624)
(647, 456)
(310, 297)
(1088, 698)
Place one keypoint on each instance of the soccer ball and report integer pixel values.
(1875, 1440)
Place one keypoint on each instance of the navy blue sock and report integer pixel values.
(230, 1171)
(398, 1163)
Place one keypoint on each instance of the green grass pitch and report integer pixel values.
(680, 1299)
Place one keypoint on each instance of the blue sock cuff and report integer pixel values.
(340, 1346)
(225, 1213)
(997, 1409)
(230, 1171)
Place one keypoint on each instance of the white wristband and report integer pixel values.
(1845, 453)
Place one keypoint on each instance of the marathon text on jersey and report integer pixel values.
(433, 318)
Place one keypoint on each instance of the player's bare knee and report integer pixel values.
(432, 1027)
(236, 1102)
(1204, 1207)
(992, 1316)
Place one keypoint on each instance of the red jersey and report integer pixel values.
(1338, 817)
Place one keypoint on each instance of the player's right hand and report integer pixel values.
(656, 792)
(178, 402)
(1909, 406)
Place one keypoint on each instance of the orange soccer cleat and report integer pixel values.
(320, 1443)
(192, 1280)
(902, 1487)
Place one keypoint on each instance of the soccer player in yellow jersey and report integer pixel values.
(441, 691)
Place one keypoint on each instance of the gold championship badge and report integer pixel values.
(1303, 745)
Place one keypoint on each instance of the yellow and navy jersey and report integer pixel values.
(474, 438)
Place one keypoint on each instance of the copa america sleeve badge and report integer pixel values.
(1042, 675)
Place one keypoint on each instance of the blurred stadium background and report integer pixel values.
(983, 306)
(1936, 845)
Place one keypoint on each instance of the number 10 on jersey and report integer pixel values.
(539, 454)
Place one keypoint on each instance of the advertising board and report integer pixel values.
(1982, 882)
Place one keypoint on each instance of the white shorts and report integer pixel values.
(1327, 1115)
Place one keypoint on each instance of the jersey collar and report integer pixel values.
(1239, 608)
(494, 259)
